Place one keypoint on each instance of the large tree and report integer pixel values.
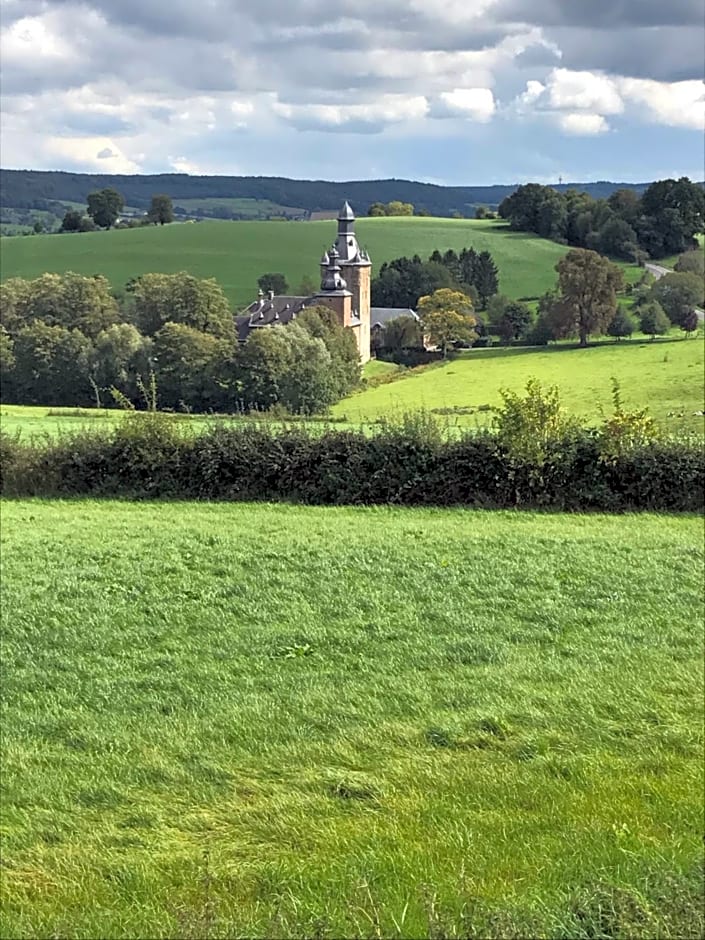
(69, 300)
(104, 206)
(181, 298)
(447, 317)
(161, 210)
(587, 285)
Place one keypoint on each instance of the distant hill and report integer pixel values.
(43, 190)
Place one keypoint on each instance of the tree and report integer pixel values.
(678, 294)
(447, 317)
(104, 206)
(7, 366)
(322, 323)
(516, 321)
(181, 298)
(653, 320)
(72, 221)
(161, 210)
(625, 204)
(116, 357)
(692, 262)
(485, 277)
(38, 227)
(395, 207)
(308, 384)
(618, 239)
(307, 287)
(588, 285)
(185, 365)
(690, 322)
(69, 300)
(622, 324)
(402, 333)
(275, 282)
(52, 365)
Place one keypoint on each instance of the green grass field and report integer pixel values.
(233, 720)
(666, 376)
(237, 253)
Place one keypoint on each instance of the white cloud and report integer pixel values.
(582, 124)
(477, 104)
(96, 153)
(389, 109)
(583, 91)
(679, 104)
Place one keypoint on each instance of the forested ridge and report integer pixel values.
(36, 189)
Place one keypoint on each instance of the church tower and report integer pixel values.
(356, 270)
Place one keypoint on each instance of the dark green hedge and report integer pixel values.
(147, 458)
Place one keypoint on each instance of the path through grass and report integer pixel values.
(233, 720)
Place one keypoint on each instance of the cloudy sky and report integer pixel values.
(450, 91)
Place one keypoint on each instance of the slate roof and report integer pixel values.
(380, 316)
(270, 311)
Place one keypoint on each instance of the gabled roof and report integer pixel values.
(380, 316)
(270, 311)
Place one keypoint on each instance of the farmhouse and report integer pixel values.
(345, 288)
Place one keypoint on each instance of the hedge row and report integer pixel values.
(153, 458)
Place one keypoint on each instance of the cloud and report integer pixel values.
(105, 153)
(583, 124)
(201, 81)
(678, 105)
(476, 104)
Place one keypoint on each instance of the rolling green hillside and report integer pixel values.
(237, 253)
(666, 377)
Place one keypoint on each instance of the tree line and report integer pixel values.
(662, 221)
(104, 207)
(69, 340)
(401, 282)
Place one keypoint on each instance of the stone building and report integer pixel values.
(345, 287)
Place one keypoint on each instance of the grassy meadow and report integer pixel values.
(237, 253)
(665, 376)
(238, 720)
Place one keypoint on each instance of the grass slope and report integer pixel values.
(665, 376)
(237, 253)
(276, 721)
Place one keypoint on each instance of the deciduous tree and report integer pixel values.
(104, 206)
(447, 317)
(161, 210)
(588, 285)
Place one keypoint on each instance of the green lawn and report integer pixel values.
(237, 253)
(233, 720)
(666, 376)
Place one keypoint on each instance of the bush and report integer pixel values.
(409, 463)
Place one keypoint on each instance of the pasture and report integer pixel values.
(237, 253)
(665, 376)
(256, 720)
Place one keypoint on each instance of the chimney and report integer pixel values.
(270, 295)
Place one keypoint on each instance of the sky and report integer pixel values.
(460, 92)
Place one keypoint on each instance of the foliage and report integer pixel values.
(537, 457)
(69, 300)
(625, 431)
(653, 320)
(402, 332)
(529, 426)
(273, 282)
(181, 298)
(75, 221)
(161, 209)
(692, 262)
(678, 294)
(395, 207)
(690, 322)
(104, 206)
(663, 222)
(447, 317)
(588, 284)
(622, 324)
(515, 321)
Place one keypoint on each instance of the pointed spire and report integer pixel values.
(346, 214)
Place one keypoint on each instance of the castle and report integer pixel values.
(345, 287)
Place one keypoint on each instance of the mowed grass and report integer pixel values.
(233, 720)
(666, 376)
(237, 253)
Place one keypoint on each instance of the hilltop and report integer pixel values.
(237, 253)
(41, 190)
